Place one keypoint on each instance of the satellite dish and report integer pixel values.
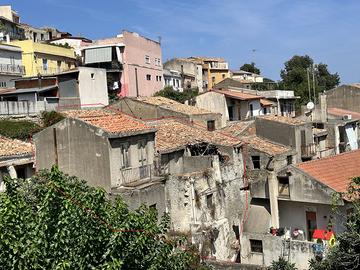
(310, 105)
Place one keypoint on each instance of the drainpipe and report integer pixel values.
(193, 207)
(136, 83)
(273, 195)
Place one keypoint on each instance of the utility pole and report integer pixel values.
(313, 73)
(308, 78)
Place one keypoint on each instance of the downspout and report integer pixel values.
(136, 83)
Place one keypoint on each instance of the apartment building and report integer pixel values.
(11, 67)
(133, 63)
(45, 59)
(10, 21)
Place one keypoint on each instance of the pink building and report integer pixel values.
(133, 63)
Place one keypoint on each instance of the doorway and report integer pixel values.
(310, 224)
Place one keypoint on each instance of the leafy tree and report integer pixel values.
(169, 92)
(54, 221)
(250, 68)
(281, 264)
(295, 77)
(346, 253)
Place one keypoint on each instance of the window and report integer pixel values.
(148, 77)
(42, 36)
(142, 153)
(12, 60)
(256, 162)
(45, 64)
(153, 206)
(160, 78)
(209, 200)
(92, 75)
(58, 64)
(147, 59)
(211, 125)
(125, 159)
(289, 160)
(284, 189)
(256, 246)
(157, 62)
(251, 108)
(223, 76)
(2, 84)
(265, 111)
(213, 79)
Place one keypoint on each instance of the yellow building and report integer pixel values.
(214, 70)
(44, 59)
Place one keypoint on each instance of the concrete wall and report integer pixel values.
(345, 97)
(82, 151)
(213, 102)
(136, 47)
(153, 112)
(93, 87)
(298, 252)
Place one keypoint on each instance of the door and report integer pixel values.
(310, 224)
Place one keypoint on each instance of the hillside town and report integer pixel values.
(244, 165)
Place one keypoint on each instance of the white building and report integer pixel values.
(247, 76)
(173, 78)
(11, 67)
(75, 42)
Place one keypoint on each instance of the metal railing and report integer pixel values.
(51, 71)
(12, 69)
(128, 175)
(308, 150)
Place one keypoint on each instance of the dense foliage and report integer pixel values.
(169, 92)
(346, 254)
(51, 118)
(53, 221)
(295, 77)
(281, 264)
(250, 68)
(15, 129)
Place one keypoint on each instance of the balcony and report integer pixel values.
(308, 151)
(131, 175)
(12, 69)
(217, 65)
(51, 71)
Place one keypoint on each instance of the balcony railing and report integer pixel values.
(51, 71)
(12, 69)
(216, 65)
(308, 150)
(128, 175)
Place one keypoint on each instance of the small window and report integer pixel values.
(125, 159)
(142, 153)
(148, 77)
(147, 59)
(209, 200)
(45, 64)
(211, 125)
(153, 206)
(256, 162)
(284, 189)
(289, 160)
(256, 246)
(160, 78)
(213, 79)
(223, 76)
(92, 76)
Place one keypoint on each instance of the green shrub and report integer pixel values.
(51, 118)
(282, 264)
(21, 130)
(169, 92)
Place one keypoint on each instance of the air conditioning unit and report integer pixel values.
(347, 117)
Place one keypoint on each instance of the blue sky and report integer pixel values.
(327, 30)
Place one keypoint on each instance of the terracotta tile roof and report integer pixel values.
(336, 171)
(10, 147)
(341, 112)
(266, 102)
(173, 105)
(319, 132)
(172, 135)
(265, 146)
(237, 128)
(238, 95)
(111, 122)
(284, 119)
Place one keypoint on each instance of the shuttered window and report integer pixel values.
(98, 55)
